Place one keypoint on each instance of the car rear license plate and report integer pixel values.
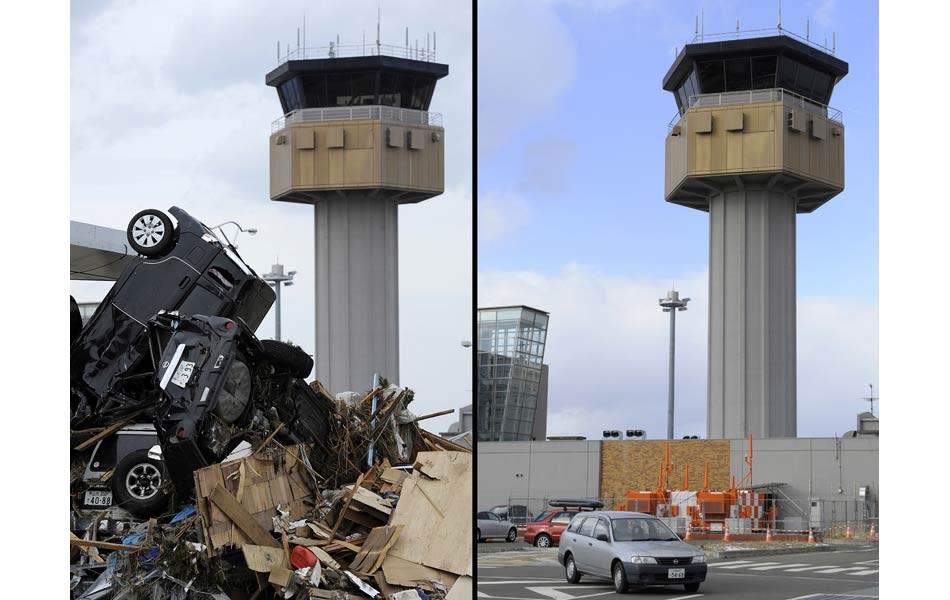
(676, 573)
(98, 498)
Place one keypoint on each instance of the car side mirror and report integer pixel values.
(155, 452)
(603, 537)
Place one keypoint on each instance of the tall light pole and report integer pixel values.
(278, 279)
(671, 304)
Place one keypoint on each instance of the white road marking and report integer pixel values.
(840, 569)
(808, 596)
(868, 572)
(551, 592)
(685, 597)
(812, 568)
(780, 566)
(751, 565)
(518, 581)
(734, 562)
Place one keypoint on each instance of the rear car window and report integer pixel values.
(588, 527)
(482, 515)
(542, 516)
(563, 517)
(575, 524)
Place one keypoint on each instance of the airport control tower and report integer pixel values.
(754, 144)
(356, 141)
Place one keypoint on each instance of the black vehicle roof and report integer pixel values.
(576, 503)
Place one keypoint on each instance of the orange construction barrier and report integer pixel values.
(847, 534)
(872, 535)
(768, 534)
(688, 535)
(725, 536)
(811, 537)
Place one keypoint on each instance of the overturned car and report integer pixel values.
(172, 344)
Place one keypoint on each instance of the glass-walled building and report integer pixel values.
(510, 363)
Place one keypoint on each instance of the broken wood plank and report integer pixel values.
(75, 541)
(240, 517)
(406, 573)
(462, 590)
(324, 557)
(90, 552)
(373, 551)
(435, 414)
(346, 505)
(109, 430)
(281, 577)
(262, 559)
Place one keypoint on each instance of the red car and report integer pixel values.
(545, 530)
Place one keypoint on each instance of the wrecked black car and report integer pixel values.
(173, 344)
(187, 269)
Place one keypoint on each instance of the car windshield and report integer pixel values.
(634, 529)
(542, 515)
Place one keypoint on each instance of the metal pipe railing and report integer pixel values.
(354, 113)
(353, 50)
(760, 96)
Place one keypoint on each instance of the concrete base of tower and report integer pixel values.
(751, 314)
(357, 290)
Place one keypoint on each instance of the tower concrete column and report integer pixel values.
(356, 263)
(751, 375)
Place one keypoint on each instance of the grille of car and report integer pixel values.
(675, 562)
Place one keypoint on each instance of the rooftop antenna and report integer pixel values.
(427, 43)
(825, 45)
(833, 42)
(871, 398)
(433, 44)
(779, 15)
(737, 28)
(377, 27)
(696, 29)
(305, 30)
(298, 38)
(278, 50)
(702, 25)
(407, 42)
(364, 42)
(807, 30)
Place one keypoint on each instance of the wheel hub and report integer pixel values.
(143, 481)
(148, 230)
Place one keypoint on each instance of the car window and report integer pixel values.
(563, 517)
(588, 527)
(641, 529)
(601, 528)
(575, 524)
(482, 515)
(542, 515)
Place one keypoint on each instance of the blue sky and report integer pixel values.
(571, 201)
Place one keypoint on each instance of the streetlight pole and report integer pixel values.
(671, 304)
(277, 279)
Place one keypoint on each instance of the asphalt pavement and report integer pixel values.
(847, 574)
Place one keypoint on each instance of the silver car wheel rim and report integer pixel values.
(543, 542)
(143, 481)
(570, 568)
(148, 231)
(618, 578)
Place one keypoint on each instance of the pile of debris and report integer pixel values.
(274, 524)
(203, 464)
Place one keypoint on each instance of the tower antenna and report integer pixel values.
(378, 18)
(779, 15)
(807, 30)
(871, 398)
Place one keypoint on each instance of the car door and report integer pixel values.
(559, 523)
(583, 547)
(601, 552)
(496, 525)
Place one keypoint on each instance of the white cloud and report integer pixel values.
(825, 13)
(608, 350)
(500, 214)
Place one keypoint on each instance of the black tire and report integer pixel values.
(570, 570)
(512, 535)
(140, 484)
(543, 541)
(619, 577)
(691, 588)
(289, 357)
(151, 233)
(75, 320)
(478, 535)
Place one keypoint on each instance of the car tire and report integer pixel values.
(570, 570)
(478, 535)
(543, 541)
(512, 535)
(139, 484)
(151, 233)
(691, 588)
(293, 358)
(619, 577)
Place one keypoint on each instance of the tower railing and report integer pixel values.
(355, 113)
(761, 96)
(745, 34)
(354, 50)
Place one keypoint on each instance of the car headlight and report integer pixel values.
(700, 558)
(643, 560)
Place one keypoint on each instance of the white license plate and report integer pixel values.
(183, 373)
(676, 573)
(98, 498)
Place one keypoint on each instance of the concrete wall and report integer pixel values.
(539, 470)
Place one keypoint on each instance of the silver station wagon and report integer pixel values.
(632, 549)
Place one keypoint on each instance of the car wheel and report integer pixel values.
(570, 570)
(512, 534)
(478, 535)
(691, 588)
(151, 233)
(620, 578)
(543, 541)
(139, 484)
(291, 357)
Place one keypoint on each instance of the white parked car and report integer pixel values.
(491, 525)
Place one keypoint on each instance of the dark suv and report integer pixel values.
(187, 269)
